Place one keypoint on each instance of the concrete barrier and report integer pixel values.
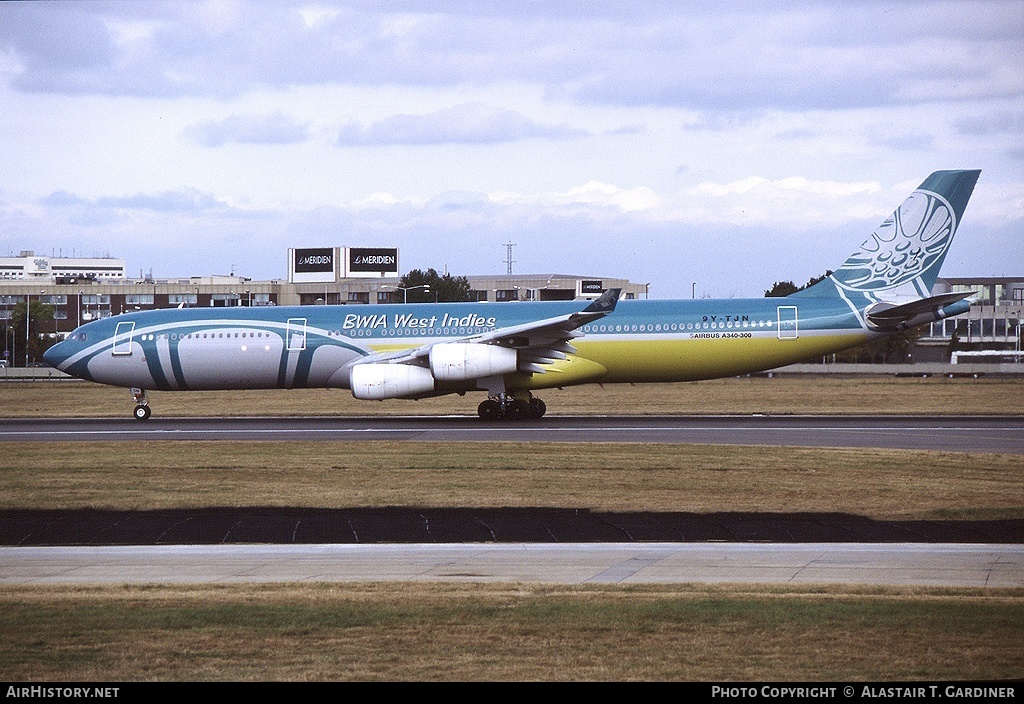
(920, 369)
(32, 374)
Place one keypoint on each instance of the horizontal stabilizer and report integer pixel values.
(885, 315)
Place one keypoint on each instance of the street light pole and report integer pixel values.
(1016, 343)
(7, 327)
(405, 290)
(28, 307)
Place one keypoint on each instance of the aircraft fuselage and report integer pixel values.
(313, 346)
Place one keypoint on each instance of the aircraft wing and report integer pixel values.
(538, 342)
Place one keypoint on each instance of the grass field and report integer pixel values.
(507, 632)
(521, 631)
(879, 484)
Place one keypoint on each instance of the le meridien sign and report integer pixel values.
(310, 260)
(371, 261)
(313, 265)
(326, 264)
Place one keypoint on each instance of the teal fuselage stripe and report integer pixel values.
(149, 348)
(179, 374)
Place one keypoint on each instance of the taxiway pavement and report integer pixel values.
(997, 433)
(985, 566)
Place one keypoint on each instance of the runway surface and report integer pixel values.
(1003, 434)
(981, 566)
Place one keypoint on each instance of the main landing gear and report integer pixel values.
(142, 410)
(507, 407)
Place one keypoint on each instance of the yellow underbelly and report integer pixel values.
(663, 360)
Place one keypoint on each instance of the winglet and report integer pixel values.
(605, 303)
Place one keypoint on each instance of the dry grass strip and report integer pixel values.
(508, 632)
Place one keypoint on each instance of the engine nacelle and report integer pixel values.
(460, 361)
(379, 381)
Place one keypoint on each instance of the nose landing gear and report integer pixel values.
(142, 410)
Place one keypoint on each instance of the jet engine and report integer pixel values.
(379, 381)
(454, 362)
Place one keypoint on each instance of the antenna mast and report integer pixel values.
(508, 257)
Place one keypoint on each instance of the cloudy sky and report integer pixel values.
(726, 144)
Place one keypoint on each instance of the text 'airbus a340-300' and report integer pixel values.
(511, 351)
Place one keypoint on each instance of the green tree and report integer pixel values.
(784, 288)
(445, 288)
(818, 279)
(39, 333)
(781, 288)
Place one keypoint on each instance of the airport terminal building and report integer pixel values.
(991, 326)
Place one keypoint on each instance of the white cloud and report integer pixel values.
(786, 185)
(273, 128)
(189, 200)
(318, 15)
(794, 201)
(1003, 121)
(375, 200)
(468, 123)
(591, 194)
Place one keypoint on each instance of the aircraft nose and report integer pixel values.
(56, 354)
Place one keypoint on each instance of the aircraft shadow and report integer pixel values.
(302, 525)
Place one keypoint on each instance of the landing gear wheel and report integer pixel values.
(519, 409)
(142, 412)
(511, 409)
(489, 410)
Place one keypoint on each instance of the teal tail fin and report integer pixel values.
(902, 258)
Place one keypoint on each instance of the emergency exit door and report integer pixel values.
(788, 325)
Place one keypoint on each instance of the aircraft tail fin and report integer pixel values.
(902, 258)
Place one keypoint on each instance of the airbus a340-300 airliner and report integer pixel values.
(511, 350)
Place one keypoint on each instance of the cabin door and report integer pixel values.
(123, 339)
(296, 334)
